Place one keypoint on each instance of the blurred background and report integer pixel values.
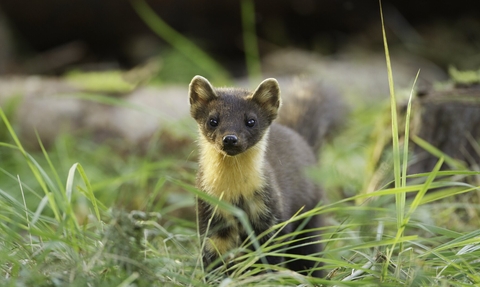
(91, 79)
(51, 37)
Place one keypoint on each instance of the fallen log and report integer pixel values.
(450, 121)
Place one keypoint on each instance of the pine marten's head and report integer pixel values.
(233, 120)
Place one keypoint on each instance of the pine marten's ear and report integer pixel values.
(200, 91)
(267, 95)
(200, 94)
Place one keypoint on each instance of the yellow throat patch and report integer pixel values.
(229, 177)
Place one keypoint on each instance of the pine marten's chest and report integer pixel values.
(232, 178)
(240, 181)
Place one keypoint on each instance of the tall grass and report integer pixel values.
(67, 236)
(159, 246)
(66, 215)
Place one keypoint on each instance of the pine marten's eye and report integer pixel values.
(250, 123)
(213, 122)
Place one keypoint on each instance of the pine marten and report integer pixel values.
(251, 162)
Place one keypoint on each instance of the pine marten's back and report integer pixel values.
(289, 156)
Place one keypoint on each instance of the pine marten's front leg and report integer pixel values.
(260, 228)
(225, 232)
(219, 232)
(263, 214)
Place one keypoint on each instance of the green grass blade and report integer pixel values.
(69, 185)
(69, 212)
(89, 191)
(149, 204)
(447, 173)
(447, 192)
(50, 164)
(400, 197)
(128, 282)
(418, 198)
(407, 135)
(34, 167)
(39, 210)
(416, 202)
(459, 241)
(178, 41)
(250, 40)
(438, 153)
(393, 106)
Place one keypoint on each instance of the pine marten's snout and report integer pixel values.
(231, 145)
(230, 140)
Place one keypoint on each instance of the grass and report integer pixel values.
(93, 217)
(84, 214)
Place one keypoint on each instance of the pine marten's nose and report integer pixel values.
(230, 140)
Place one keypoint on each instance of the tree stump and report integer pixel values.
(450, 121)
